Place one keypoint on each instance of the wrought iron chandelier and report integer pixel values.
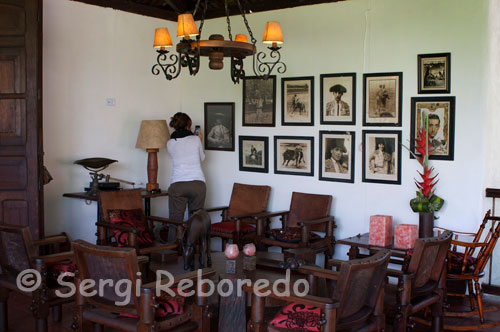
(216, 48)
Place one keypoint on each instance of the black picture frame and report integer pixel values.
(259, 101)
(341, 168)
(219, 138)
(348, 98)
(382, 166)
(443, 139)
(254, 154)
(300, 112)
(434, 74)
(301, 164)
(383, 99)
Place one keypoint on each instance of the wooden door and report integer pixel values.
(21, 193)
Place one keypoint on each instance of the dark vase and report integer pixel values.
(425, 224)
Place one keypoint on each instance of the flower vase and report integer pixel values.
(425, 224)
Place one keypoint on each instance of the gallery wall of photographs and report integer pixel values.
(382, 112)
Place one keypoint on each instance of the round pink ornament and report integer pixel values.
(249, 249)
(231, 251)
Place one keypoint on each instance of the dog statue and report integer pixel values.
(197, 231)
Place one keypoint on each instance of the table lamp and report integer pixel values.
(153, 136)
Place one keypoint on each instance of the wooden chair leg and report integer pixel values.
(57, 313)
(479, 300)
(4, 313)
(470, 288)
(98, 328)
(224, 243)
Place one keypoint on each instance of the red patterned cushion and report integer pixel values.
(230, 226)
(291, 234)
(457, 259)
(174, 306)
(55, 270)
(130, 218)
(299, 317)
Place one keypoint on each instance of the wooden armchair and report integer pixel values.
(125, 310)
(18, 252)
(356, 303)
(235, 225)
(467, 260)
(308, 212)
(125, 224)
(422, 285)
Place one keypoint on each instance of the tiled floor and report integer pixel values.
(20, 317)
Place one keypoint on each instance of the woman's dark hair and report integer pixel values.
(180, 121)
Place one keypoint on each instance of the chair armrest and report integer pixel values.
(54, 257)
(454, 232)
(165, 220)
(315, 221)
(315, 301)
(400, 274)
(319, 272)
(334, 262)
(254, 216)
(142, 259)
(469, 244)
(114, 226)
(51, 239)
(219, 208)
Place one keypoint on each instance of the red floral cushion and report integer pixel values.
(55, 270)
(130, 218)
(230, 226)
(457, 259)
(291, 234)
(174, 306)
(299, 317)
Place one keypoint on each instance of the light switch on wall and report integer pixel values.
(110, 102)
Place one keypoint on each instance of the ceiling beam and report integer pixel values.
(131, 7)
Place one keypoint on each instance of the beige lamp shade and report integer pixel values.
(186, 27)
(241, 38)
(153, 134)
(273, 33)
(162, 38)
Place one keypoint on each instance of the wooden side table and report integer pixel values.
(146, 195)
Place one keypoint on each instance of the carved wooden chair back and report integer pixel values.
(248, 199)
(491, 238)
(120, 200)
(308, 207)
(427, 260)
(115, 264)
(358, 286)
(16, 249)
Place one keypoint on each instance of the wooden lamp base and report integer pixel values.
(152, 184)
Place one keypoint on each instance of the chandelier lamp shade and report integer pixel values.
(191, 47)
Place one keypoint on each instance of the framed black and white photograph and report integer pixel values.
(336, 156)
(338, 99)
(219, 126)
(254, 152)
(297, 101)
(294, 155)
(440, 113)
(382, 99)
(259, 101)
(434, 73)
(382, 156)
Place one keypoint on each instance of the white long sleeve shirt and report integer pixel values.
(187, 154)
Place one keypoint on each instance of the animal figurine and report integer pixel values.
(197, 231)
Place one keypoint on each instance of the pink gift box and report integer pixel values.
(405, 236)
(381, 230)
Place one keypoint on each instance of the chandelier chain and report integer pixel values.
(246, 23)
(202, 20)
(228, 21)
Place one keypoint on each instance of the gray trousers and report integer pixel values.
(180, 194)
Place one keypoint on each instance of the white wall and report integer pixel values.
(361, 36)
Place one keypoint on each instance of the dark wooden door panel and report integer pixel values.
(12, 19)
(16, 211)
(21, 196)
